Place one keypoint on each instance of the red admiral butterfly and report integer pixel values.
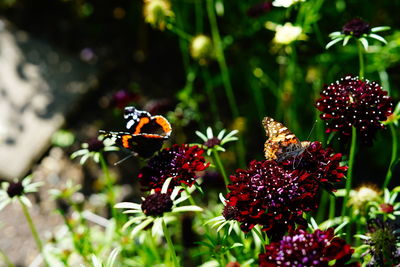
(146, 133)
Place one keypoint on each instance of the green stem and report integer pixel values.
(153, 247)
(220, 166)
(394, 156)
(7, 261)
(211, 95)
(350, 169)
(219, 53)
(181, 34)
(170, 244)
(332, 207)
(109, 185)
(361, 59)
(322, 206)
(33, 230)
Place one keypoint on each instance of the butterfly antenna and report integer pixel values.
(312, 129)
(122, 160)
(305, 149)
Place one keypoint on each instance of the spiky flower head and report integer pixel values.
(301, 249)
(361, 197)
(351, 102)
(356, 27)
(268, 195)
(383, 239)
(156, 13)
(181, 162)
(156, 204)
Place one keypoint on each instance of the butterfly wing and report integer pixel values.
(281, 142)
(143, 145)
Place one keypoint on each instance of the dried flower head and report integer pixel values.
(156, 12)
(320, 248)
(383, 239)
(352, 102)
(181, 162)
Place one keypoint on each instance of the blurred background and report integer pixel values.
(68, 67)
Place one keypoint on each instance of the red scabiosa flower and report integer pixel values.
(353, 102)
(181, 162)
(356, 27)
(322, 164)
(123, 98)
(156, 204)
(259, 9)
(320, 248)
(268, 195)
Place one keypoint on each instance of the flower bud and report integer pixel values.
(156, 12)
(201, 49)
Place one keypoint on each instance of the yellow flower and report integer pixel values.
(361, 197)
(201, 48)
(156, 12)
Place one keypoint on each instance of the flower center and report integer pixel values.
(15, 189)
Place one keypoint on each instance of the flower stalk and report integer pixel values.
(170, 244)
(361, 59)
(350, 169)
(393, 157)
(221, 167)
(33, 230)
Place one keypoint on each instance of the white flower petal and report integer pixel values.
(128, 205)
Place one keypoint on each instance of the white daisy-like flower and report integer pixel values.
(12, 191)
(212, 142)
(286, 3)
(156, 208)
(93, 148)
(287, 33)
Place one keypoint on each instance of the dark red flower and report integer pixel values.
(181, 162)
(15, 189)
(356, 27)
(320, 248)
(156, 204)
(353, 102)
(322, 164)
(259, 9)
(268, 195)
(123, 98)
(95, 145)
(386, 208)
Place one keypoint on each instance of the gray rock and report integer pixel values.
(39, 85)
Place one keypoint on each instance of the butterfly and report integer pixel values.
(281, 143)
(145, 133)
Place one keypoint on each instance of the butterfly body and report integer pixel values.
(145, 133)
(281, 143)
